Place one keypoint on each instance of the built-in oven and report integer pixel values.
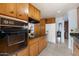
(13, 35)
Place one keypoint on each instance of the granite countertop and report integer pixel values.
(75, 31)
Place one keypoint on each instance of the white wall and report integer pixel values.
(72, 17)
(60, 20)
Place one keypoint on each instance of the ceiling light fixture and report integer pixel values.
(58, 11)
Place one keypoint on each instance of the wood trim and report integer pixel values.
(12, 18)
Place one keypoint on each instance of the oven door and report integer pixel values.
(14, 35)
(15, 38)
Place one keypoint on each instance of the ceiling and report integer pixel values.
(55, 9)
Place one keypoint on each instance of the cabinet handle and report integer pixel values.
(11, 12)
(77, 46)
(20, 15)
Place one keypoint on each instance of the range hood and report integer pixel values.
(31, 20)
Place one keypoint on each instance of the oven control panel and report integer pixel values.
(4, 21)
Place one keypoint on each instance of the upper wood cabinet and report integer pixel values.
(2, 8)
(10, 9)
(42, 27)
(50, 20)
(22, 11)
(31, 10)
(34, 12)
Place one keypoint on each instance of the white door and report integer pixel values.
(51, 35)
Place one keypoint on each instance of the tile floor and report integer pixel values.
(56, 50)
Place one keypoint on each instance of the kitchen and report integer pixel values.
(23, 31)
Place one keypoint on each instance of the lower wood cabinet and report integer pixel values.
(42, 43)
(35, 46)
(24, 52)
(76, 49)
(34, 49)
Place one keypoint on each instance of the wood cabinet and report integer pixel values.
(37, 29)
(10, 9)
(50, 20)
(24, 52)
(42, 43)
(33, 45)
(2, 8)
(22, 11)
(37, 45)
(37, 14)
(34, 49)
(34, 13)
(42, 27)
(31, 10)
(76, 49)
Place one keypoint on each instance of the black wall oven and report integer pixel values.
(13, 35)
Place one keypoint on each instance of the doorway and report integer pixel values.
(66, 31)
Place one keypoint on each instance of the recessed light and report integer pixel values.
(58, 11)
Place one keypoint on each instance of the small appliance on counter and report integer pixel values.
(13, 35)
(31, 31)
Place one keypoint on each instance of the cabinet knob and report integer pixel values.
(20, 15)
(77, 46)
(11, 12)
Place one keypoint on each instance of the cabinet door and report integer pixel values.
(34, 12)
(41, 44)
(34, 49)
(38, 15)
(42, 27)
(44, 42)
(2, 8)
(22, 9)
(11, 9)
(37, 29)
(50, 20)
(76, 49)
(31, 11)
(24, 52)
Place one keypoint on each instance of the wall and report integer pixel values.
(60, 20)
(72, 17)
